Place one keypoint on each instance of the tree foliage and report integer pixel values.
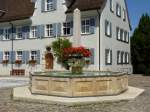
(140, 46)
(57, 47)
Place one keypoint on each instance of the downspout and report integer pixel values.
(99, 17)
(12, 46)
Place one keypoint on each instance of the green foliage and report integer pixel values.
(140, 46)
(57, 47)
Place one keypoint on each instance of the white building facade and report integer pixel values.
(105, 30)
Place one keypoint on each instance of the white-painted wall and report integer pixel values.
(90, 41)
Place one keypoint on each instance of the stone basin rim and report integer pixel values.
(60, 75)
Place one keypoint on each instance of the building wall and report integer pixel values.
(112, 43)
(90, 41)
(43, 18)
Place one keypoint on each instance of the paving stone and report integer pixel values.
(140, 104)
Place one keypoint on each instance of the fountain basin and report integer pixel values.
(88, 84)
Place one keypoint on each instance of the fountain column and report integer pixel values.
(77, 28)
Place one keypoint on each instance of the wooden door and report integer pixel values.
(49, 61)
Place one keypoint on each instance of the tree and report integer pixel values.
(58, 46)
(140, 46)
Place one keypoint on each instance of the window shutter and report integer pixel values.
(42, 5)
(12, 56)
(1, 56)
(58, 29)
(106, 56)
(40, 31)
(27, 56)
(54, 4)
(1, 34)
(38, 57)
(54, 29)
(23, 57)
(106, 25)
(1, 31)
(111, 57)
(25, 32)
(93, 55)
(92, 25)
(118, 52)
(71, 27)
(110, 29)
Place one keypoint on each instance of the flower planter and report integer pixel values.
(32, 62)
(5, 61)
(18, 62)
(77, 69)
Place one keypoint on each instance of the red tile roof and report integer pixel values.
(84, 5)
(16, 9)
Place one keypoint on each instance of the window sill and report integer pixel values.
(48, 11)
(83, 34)
(108, 35)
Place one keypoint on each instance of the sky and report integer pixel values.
(136, 8)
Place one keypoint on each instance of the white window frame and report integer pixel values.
(118, 33)
(34, 32)
(49, 5)
(119, 57)
(118, 10)
(33, 55)
(49, 30)
(108, 28)
(127, 58)
(66, 26)
(124, 14)
(108, 56)
(18, 56)
(6, 55)
(85, 26)
(19, 34)
(6, 34)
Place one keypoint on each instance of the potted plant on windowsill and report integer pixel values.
(5, 61)
(32, 62)
(18, 62)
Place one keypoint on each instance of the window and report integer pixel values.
(19, 55)
(6, 55)
(128, 36)
(118, 57)
(67, 28)
(125, 36)
(49, 5)
(124, 14)
(118, 33)
(34, 31)
(108, 56)
(118, 10)
(6, 34)
(111, 6)
(121, 34)
(127, 58)
(33, 55)
(19, 33)
(108, 28)
(85, 26)
(49, 30)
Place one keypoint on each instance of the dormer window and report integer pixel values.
(118, 10)
(48, 5)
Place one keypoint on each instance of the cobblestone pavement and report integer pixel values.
(140, 104)
(7, 82)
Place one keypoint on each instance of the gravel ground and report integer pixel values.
(140, 104)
